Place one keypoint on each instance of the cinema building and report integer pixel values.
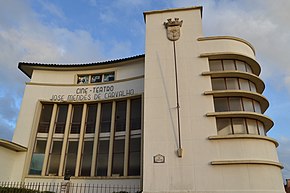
(187, 116)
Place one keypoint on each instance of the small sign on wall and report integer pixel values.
(159, 158)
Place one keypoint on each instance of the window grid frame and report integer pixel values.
(66, 137)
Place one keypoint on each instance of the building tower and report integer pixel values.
(204, 128)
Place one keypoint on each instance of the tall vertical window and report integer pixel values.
(45, 118)
(61, 118)
(103, 155)
(119, 139)
(91, 118)
(76, 119)
(87, 153)
(104, 140)
(135, 138)
(71, 157)
(37, 158)
(54, 158)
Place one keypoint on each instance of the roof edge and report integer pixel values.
(171, 10)
(12, 146)
(27, 67)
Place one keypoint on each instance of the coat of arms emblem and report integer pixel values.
(173, 28)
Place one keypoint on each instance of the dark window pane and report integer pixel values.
(239, 126)
(249, 69)
(229, 65)
(135, 114)
(91, 118)
(224, 126)
(221, 104)
(102, 158)
(87, 158)
(71, 157)
(96, 78)
(252, 126)
(120, 122)
(215, 65)
(76, 119)
(45, 118)
(248, 104)
(61, 118)
(134, 156)
(106, 115)
(218, 84)
(235, 104)
(240, 66)
(118, 157)
(37, 158)
(244, 84)
(253, 87)
(54, 158)
(83, 79)
(109, 77)
(257, 107)
(232, 84)
(261, 128)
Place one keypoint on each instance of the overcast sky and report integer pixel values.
(80, 31)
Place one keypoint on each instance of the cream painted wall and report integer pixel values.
(12, 163)
(6, 161)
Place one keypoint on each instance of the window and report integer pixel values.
(116, 151)
(61, 118)
(87, 153)
(96, 78)
(91, 118)
(45, 118)
(37, 158)
(229, 126)
(76, 119)
(84, 79)
(223, 104)
(229, 65)
(54, 158)
(233, 84)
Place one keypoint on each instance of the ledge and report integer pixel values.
(237, 74)
(236, 162)
(232, 55)
(236, 114)
(12, 146)
(228, 38)
(245, 136)
(241, 93)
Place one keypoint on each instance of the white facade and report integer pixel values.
(220, 143)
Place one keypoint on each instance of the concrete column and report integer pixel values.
(127, 137)
(96, 140)
(112, 134)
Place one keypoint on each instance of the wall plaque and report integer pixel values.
(159, 158)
